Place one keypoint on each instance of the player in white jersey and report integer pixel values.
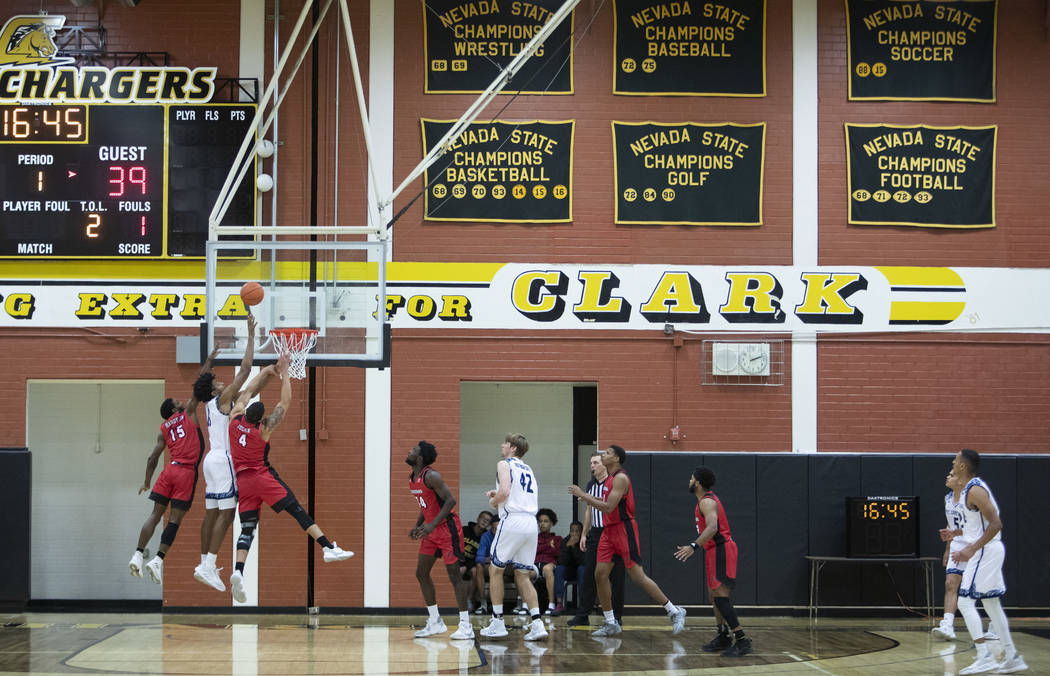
(220, 487)
(982, 562)
(516, 498)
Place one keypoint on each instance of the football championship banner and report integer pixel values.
(690, 48)
(931, 50)
(467, 43)
(689, 173)
(935, 177)
(505, 172)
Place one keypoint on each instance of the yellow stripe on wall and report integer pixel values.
(917, 311)
(917, 276)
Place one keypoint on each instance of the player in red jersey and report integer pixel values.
(440, 533)
(720, 554)
(257, 481)
(620, 538)
(182, 437)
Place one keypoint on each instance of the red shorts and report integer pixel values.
(257, 486)
(446, 539)
(620, 539)
(720, 565)
(176, 484)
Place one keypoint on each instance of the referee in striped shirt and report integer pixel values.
(593, 523)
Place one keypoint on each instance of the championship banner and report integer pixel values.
(689, 173)
(932, 50)
(459, 297)
(934, 177)
(504, 172)
(689, 48)
(468, 43)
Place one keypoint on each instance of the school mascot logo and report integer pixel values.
(30, 41)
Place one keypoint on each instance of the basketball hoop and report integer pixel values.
(295, 343)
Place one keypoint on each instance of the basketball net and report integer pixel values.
(296, 343)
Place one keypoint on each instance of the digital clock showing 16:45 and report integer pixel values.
(82, 181)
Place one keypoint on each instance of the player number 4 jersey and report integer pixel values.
(524, 491)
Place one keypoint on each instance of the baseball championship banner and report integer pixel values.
(689, 173)
(505, 172)
(468, 43)
(689, 48)
(931, 50)
(935, 177)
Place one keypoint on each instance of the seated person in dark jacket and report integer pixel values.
(472, 534)
(571, 563)
(548, 547)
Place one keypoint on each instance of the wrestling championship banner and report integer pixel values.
(504, 172)
(689, 173)
(930, 50)
(935, 177)
(577, 296)
(468, 43)
(689, 48)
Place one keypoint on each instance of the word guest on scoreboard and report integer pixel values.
(117, 181)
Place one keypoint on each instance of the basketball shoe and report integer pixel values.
(537, 632)
(464, 631)
(432, 627)
(208, 575)
(497, 628)
(945, 630)
(136, 564)
(1012, 665)
(608, 629)
(237, 587)
(677, 619)
(155, 568)
(334, 553)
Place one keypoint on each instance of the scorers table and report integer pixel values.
(817, 563)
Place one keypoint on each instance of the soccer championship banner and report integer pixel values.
(932, 50)
(690, 48)
(467, 43)
(504, 172)
(689, 173)
(935, 177)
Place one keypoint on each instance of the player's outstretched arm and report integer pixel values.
(271, 421)
(229, 393)
(191, 404)
(151, 463)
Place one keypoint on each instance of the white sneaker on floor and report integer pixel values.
(990, 635)
(944, 631)
(136, 564)
(497, 628)
(237, 587)
(209, 575)
(982, 665)
(608, 629)
(677, 619)
(537, 632)
(464, 631)
(1012, 665)
(155, 568)
(432, 628)
(334, 553)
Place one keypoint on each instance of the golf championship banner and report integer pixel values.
(931, 50)
(689, 173)
(690, 48)
(467, 43)
(935, 177)
(506, 172)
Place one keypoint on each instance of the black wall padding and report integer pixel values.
(15, 527)
(782, 507)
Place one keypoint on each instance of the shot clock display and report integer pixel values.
(879, 526)
(117, 181)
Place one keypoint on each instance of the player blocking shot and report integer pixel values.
(258, 482)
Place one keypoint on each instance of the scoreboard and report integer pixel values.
(118, 181)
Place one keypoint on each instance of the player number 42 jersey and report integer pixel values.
(524, 491)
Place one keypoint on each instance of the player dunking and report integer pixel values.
(720, 554)
(258, 482)
(441, 534)
(620, 537)
(180, 434)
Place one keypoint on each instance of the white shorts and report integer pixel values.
(515, 541)
(954, 567)
(220, 486)
(983, 575)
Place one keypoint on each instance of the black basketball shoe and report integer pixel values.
(738, 649)
(718, 643)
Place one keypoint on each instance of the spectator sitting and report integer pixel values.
(472, 534)
(548, 548)
(571, 563)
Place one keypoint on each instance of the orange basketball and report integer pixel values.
(252, 293)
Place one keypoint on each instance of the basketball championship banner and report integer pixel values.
(574, 296)
(930, 50)
(503, 172)
(934, 177)
(689, 48)
(689, 173)
(467, 43)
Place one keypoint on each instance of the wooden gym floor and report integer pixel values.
(81, 643)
